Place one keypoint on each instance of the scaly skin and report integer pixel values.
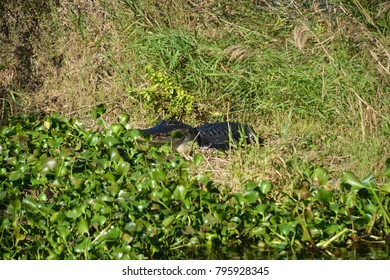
(210, 135)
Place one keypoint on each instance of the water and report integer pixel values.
(356, 252)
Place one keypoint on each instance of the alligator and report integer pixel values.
(209, 135)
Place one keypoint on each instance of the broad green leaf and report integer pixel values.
(131, 227)
(98, 111)
(198, 159)
(114, 188)
(3, 195)
(48, 162)
(325, 196)
(15, 175)
(209, 220)
(114, 154)
(350, 179)
(334, 207)
(110, 141)
(320, 175)
(261, 208)
(14, 206)
(385, 188)
(240, 199)
(74, 213)
(30, 202)
(63, 231)
(117, 129)
(232, 226)
(168, 221)
(265, 186)
(109, 177)
(83, 246)
(78, 181)
(284, 229)
(123, 118)
(180, 192)
(252, 196)
(101, 163)
(250, 185)
(158, 174)
(83, 226)
(123, 168)
(132, 134)
(92, 139)
(114, 233)
(98, 220)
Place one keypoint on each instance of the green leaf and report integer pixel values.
(114, 233)
(98, 111)
(198, 159)
(261, 208)
(325, 196)
(350, 179)
(83, 226)
(110, 141)
(78, 181)
(63, 231)
(385, 188)
(284, 229)
(3, 195)
(320, 175)
(131, 227)
(83, 246)
(158, 174)
(250, 185)
(92, 139)
(14, 206)
(101, 163)
(252, 196)
(265, 186)
(240, 199)
(209, 220)
(98, 220)
(168, 221)
(114, 188)
(74, 213)
(117, 129)
(30, 202)
(123, 118)
(114, 154)
(123, 168)
(15, 175)
(180, 192)
(132, 134)
(334, 207)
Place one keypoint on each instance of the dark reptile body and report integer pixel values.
(211, 135)
(217, 135)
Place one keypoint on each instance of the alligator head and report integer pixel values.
(170, 131)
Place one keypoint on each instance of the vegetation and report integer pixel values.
(311, 77)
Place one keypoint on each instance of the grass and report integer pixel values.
(311, 77)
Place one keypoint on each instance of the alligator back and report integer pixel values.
(218, 135)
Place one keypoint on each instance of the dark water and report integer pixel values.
(356, 252)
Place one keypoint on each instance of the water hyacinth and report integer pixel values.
(106, 199)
